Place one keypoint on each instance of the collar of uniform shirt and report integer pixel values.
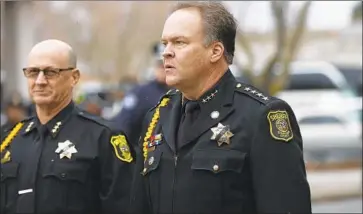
(212, 93)
(54, 124)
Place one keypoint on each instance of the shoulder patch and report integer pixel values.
(130, 101)
(280, 128)
(121, 148)
(252, 92)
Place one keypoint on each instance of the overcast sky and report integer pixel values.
(323, 15)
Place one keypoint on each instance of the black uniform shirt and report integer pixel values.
(243, 154)
(76, 163)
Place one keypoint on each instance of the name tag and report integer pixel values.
(20, 192)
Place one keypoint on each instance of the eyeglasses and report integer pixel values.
(48, 72)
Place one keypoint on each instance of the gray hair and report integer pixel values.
(219, 24)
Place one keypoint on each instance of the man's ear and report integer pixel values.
(75, 77)
(217, 50)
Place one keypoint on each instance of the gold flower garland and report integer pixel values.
(152, 125)
(10, 137)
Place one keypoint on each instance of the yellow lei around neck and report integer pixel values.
(152, 125)
(10, 137)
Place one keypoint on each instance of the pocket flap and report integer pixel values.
(9, 170)
(218, 160)
(67, 171)
(152, 161)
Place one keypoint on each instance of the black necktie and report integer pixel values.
(189, 115)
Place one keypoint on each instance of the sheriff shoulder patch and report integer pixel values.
(121, 147)
(280, 128)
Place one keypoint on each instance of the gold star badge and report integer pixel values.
(221, 134)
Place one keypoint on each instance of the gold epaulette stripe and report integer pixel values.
(152, 125)
(10, 137)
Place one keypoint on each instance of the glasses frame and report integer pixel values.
(59, 70)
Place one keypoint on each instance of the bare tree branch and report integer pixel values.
(278, 9)
(291, 48)
(245, 45)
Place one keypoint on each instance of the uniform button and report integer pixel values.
(144, 170)
(239, 85)
(63, 175)
(215, 167)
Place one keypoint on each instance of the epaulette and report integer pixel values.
(27, 119)
(8, 135)
(22, 121)
(253, 92)
(170, 93)
(95, 119)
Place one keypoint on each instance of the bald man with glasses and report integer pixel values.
(62, 160)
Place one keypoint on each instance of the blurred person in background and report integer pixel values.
(142, 98)
(85, 164)
(91, 103)
(14, 113)
(216, 145)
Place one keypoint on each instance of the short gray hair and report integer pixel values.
(219, 24)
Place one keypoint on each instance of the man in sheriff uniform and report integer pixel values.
(62, 160)
(216, 145)
(141, 99)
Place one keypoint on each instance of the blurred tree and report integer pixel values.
(287, 44)
(144, 26)
(357, 12)
(112, 39)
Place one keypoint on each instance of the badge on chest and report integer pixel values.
(66, 149)
(221, 134)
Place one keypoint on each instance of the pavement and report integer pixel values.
(335, 184)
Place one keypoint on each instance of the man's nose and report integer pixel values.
(41, 79)
(168, 52)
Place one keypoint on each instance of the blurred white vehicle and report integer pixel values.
(317, 83)
(328, 135)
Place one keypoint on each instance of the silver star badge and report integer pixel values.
(222, 134)
(66, 149)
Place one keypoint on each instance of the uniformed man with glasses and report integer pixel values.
(62, 160)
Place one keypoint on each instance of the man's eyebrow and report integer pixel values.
(173, 38)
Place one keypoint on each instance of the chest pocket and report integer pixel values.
(9, 171)
(67, 172)
(69, 181)
(9, 185)
(152, 162)
(214, 173)
(218, 160)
